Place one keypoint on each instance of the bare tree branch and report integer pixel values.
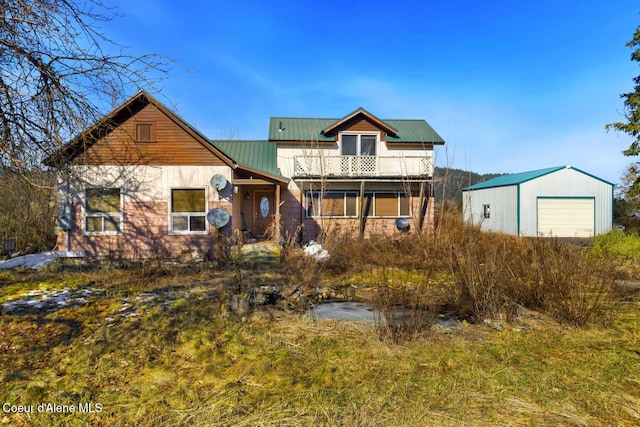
(59, 74)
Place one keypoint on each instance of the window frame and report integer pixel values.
(152, 132)
(398, 195)
(359, 136)
(188, 215)
(311, 196)
(117, 217)
(486, 211)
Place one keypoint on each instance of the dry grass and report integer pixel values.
(185, 363)
(485, 275)
(180, 361)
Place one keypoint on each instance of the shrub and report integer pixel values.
(496, 273)
(489, 275)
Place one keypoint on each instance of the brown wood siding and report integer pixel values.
(172, 144)
(359, 124)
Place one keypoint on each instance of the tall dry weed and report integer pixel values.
(495, 273)
(402, 310)
(489, 275)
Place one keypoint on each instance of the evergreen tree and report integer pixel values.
(631, 109)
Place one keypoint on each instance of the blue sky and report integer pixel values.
(511, 86)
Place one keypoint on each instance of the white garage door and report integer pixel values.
(565, 217)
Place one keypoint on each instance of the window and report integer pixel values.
(486, 211)
(358, 145)
(344, 204)
(332, 204)
(391, 205)
(188, 211)
(103, 209)
(145, 132)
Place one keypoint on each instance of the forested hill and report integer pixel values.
(456, 180)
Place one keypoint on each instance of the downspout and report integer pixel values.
(67, 206)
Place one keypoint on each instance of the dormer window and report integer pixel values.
(145, 132)
(355, 144)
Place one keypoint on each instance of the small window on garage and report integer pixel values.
(486, 211)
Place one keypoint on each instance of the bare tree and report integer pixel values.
(59, 73)
(28, 211)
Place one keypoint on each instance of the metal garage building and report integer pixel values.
(554, 202)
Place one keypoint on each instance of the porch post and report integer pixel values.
(421, 207)
(276, 218)
(362, 222)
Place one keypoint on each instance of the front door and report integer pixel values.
(263, 211)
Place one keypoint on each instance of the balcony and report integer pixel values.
(363, 166)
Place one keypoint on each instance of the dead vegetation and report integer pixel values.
(172, 355)
(462, 272)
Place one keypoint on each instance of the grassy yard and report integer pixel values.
(174, 359)
(154, 346)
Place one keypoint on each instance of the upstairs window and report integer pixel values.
(103, 211)
(358, 144)
(145, 132)
(188, 210)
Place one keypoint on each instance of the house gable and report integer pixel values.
(359, 121)
(141, 131)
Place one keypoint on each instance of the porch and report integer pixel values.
(362, 166)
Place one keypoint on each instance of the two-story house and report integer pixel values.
(143, 182)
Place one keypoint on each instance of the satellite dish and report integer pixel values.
(402, 224)
(218, 217)
(218, 182)
(65, 217)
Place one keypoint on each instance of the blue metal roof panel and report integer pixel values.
(513, 179)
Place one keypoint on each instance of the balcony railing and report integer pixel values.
(362, 166)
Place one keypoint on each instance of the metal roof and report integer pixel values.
(258, 155)
(310, 130)
(364, 113)
(519, 178)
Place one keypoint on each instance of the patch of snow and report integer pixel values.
(316, 251)
(38, 261)
(45, 300)
(35, 261)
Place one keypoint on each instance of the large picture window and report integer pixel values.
(344, 204)
(188, 210)
(103, 211)
(340, 204)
